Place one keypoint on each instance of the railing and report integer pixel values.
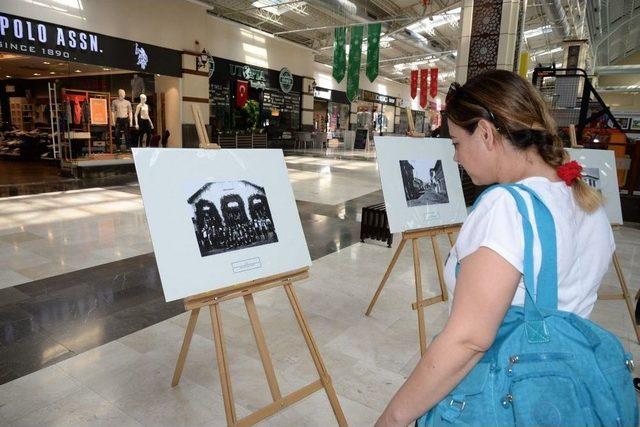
(242, 141)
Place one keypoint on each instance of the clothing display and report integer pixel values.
(76, 107)
(495, 224)
(122, 125)
(121, 108)
(145, 129)
(137, 86)
(30, 145)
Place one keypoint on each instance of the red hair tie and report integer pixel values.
(569, 172)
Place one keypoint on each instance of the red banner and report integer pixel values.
(434, 83)
(414, 83)
(242, 92)
(423, 87)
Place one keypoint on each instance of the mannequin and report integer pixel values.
(122, 116)
(143, 121)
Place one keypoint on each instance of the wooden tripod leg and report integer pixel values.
(177, 373)
(625, 294)
(223, 367)
(420, 308)
(396, 255)
(262, 347)
(452, 241)
(315, 355)
(439, 267)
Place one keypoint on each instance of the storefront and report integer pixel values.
(331, 110)
(71, 96)
(247, 98)
(376, 112)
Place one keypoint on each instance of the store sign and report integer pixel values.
(256, 77)
(286, 80)
(36, 38)
(322, 93)
(376, 97)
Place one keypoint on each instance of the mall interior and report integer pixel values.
(106, 319)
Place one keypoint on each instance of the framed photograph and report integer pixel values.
(420, 182)
(599, 171)
(635, 123)
(218, 218)
(624, 122)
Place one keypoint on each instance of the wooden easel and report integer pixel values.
(246, 291)
(421, 303)
(625, 291)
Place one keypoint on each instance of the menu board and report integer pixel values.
(284, 103)
(362, 135)
(218, 95)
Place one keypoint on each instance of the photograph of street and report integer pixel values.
(232, 215)
(424, 182)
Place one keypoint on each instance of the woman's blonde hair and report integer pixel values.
(519, 114)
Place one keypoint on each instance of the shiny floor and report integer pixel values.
(94, 343)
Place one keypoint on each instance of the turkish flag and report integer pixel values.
(414, 83)
(423, 87)
(434, 83)
(242, 92)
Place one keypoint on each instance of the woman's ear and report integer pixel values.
(485, 132)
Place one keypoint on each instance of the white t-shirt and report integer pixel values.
(585, 241)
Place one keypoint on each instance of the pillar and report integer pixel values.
(308, 83)
(195, 93)
(490, 36)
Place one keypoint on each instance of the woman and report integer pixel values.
(503, 133)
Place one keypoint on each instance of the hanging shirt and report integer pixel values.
(584, 240)
(121, 108)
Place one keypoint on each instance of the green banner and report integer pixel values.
(355, 56)
(373, 50)
(339, 54)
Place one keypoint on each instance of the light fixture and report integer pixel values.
(52, 72)
(36, 74)
(428, 24)
(8, 77)
(106, 69)
(47, 63)
(78, 71)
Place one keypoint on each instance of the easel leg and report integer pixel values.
(396, 255)
(452, 241)
(223, 368)
(193, 318)
(262, 347)
(439, 265)
(420, 308)
(625, 294)
(315, 355)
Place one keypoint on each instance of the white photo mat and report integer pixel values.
(201, 245)
(420, 182)
(599, 171)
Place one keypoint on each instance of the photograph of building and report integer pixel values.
(232, 215)
(592, 177)
(424, 182)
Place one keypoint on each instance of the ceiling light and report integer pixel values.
(52, 72)
(106, 69)
(428, 24)
(78, 71)
(36, 74)
(8, 77)
(537, 31)
(46, 63)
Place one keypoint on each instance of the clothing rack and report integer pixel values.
(82, 130)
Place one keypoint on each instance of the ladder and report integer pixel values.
(55, 120)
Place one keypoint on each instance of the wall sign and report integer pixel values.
(376, 97)
(256, 77)
(226, 71)
(286, 80)
(37, 38)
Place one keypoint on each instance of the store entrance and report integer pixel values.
(55, 115)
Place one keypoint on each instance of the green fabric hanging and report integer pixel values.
(339, 54)
(373, 50)
(355, 56)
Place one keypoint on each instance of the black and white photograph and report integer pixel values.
(231, 215)
(424, 182)
(635, 123)
(624, 122)
(592, 177)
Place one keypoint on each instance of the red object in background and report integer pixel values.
(414, 83)
(423, 88)
(425, 3)
(434, 83)
(242, 92)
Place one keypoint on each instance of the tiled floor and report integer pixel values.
(92, 342)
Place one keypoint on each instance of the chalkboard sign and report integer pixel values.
(362, 135)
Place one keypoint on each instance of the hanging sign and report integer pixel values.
(27, 36)
(286, 80)
(339, 54)
(433, 87)
(373, 50)
(414, 83)
(423, 87)
(355, 56)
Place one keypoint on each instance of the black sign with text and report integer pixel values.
(26, 36)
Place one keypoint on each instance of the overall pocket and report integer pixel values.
(548, 399)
